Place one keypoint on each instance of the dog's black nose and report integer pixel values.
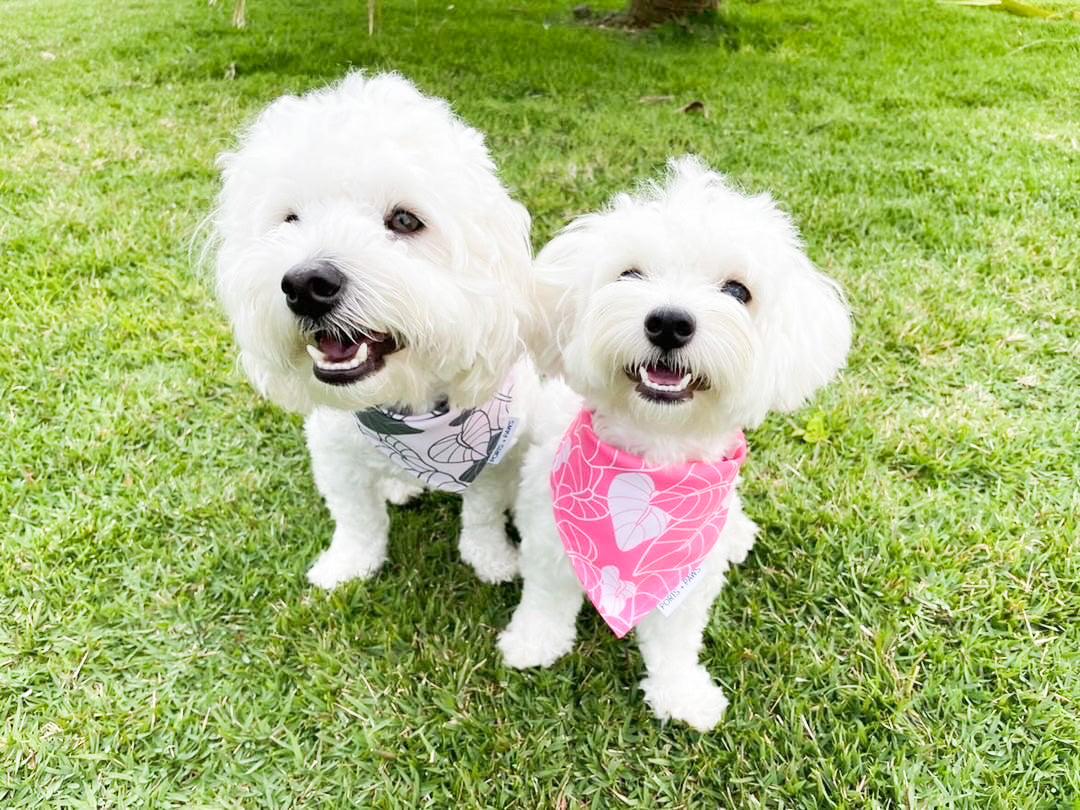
(312, 288)
(669, 328)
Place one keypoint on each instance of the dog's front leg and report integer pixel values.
(347, 473)
(677, 685)
(543, 627)
(483, 543)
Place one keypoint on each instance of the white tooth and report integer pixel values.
(679, 386)
(326, 364)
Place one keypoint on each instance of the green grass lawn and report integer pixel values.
(905, 633)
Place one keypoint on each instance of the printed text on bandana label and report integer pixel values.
(504, 442)
(670, 603)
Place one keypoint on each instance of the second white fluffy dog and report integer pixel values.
(682, 315)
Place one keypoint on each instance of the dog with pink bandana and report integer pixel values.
(680, 315)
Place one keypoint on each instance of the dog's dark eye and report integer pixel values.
(633, 272)
(292, 217)
(736, 290)
(404, 222)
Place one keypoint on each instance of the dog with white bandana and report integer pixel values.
(681, 315)
(377, 277)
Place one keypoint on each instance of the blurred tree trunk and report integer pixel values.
(643, 13)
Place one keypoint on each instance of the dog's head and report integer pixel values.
(368, 254)
(690, 307)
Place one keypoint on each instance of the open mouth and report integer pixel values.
(342, 360)
(662, 383)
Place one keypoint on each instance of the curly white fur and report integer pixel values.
(317, 178)
(674, 245)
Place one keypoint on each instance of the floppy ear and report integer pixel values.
(510, 227)
(505, 314)
(806, 330)
(560, 273)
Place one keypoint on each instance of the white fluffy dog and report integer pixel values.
(376, 275)
(684, 314)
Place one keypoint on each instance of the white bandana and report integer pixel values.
(447, 448)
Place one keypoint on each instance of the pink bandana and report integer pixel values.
(636, 533)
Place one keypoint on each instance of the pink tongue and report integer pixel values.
(336, 351)
(663, 376)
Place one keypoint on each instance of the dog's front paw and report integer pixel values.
(691, 697)
(489, 553)
(398, 492)
(534, 644)
(344, 561)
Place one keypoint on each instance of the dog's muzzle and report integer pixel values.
(666, 379)
(313, 289)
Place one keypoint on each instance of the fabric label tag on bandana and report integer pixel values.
(636, 534)
(505, 442)
(445, 449)
(670, 603)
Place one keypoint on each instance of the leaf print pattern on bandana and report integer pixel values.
(614, 591)
(445, 449)
(634, 531)
(634, 517)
